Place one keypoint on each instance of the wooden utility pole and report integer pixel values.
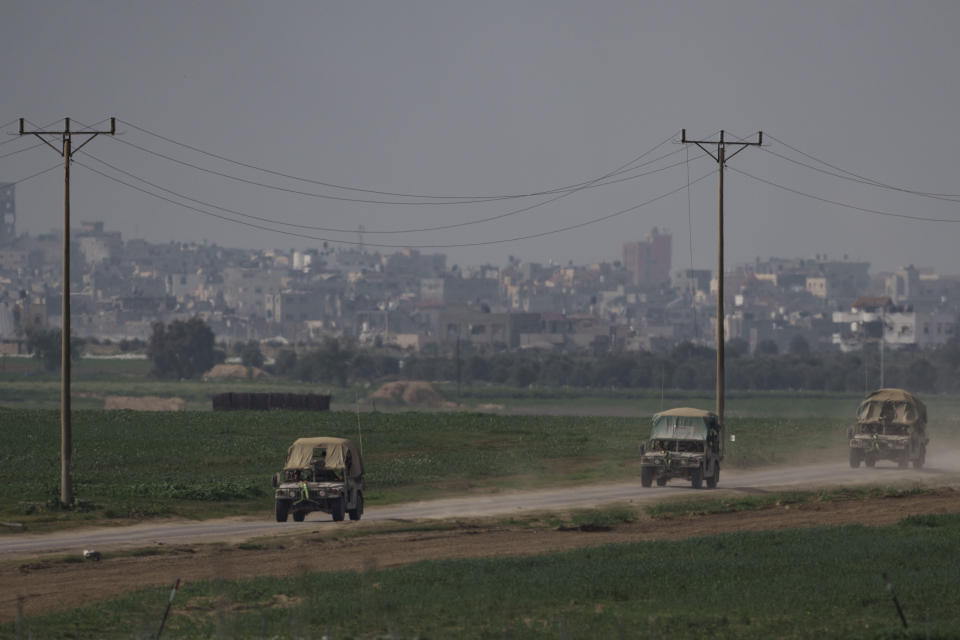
(66, 436)
(721, 157)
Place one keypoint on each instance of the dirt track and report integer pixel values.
(45, 585)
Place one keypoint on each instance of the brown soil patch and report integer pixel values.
(236, 371)
(144, 403)
(409, 393)
(48, 586)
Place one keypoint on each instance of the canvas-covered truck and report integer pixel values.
(891, 425)
(321, 474)
(684, 443)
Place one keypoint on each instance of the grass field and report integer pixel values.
(135, 464)
(812, 583)
(208, 464)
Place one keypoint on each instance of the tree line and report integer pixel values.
(186, 349)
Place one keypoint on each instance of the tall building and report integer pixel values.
(648, 261)
(8, 215)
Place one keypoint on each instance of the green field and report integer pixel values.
(811, 583)
(204, 464)
(207, 464)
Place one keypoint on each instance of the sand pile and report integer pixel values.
(410, 394)
(225, 371)
(144, 403)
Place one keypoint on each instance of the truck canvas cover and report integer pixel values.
(300, 455)
(896, 405)
(682, 424)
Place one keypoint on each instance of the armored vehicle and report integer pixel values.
(684, 443)
(891, 425)
(321, 474)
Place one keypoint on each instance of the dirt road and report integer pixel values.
(36, 584)
(942, 469)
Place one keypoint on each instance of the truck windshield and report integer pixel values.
(679, 446)
(679, 428)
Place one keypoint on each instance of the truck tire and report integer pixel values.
(298, 516)
(646, 476)
(919, 460)
(282, 508)
(870, 460)
(696, 478)
(715, 477)
(662, 481)
(357, 511)
(856, 457)
(338, 509)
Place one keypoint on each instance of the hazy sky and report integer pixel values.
(497, 98)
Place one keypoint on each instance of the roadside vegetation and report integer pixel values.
(739, 503)
(822, 582)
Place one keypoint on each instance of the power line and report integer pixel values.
(13, 153)
(373, 231)
(466, 198)
(950, 197)
(878, 212)
(38, 173)
(589, 184)
(397, 246)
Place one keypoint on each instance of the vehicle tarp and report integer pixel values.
(339, 451)
(682, 424)
(894, 405)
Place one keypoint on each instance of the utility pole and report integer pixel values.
(66, 435)
(721, 157)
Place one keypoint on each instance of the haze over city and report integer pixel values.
(495, 99)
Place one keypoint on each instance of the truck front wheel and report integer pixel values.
(715, 478)
(357, 511)
(920, 459)
(696, 478)
(856, 457)
(282, 508)
(338, 509)
(646, 476)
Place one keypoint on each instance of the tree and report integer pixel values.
(47, 345)
(737, 347)
(799, 345)
(329, 363)
(768, 347)
(250, 354)
(182, 349)
(922, 375)
(286, 361)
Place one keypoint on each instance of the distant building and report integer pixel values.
(8, 214)
(648, 261)
(817, 286)
(872, 319)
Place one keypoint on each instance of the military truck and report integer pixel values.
(684, 443)
(891, 425)
(321, 474)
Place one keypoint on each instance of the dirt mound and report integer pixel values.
(144, 403)
(410, 394)
(222, 371)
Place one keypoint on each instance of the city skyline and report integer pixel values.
(493, 101)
